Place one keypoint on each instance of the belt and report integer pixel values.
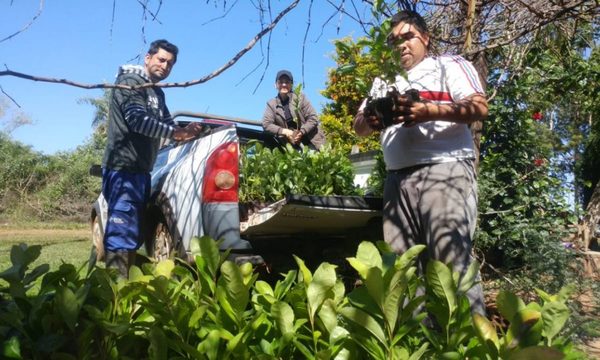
(408, 169)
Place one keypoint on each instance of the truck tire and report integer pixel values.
(162, 242)
(98, 238)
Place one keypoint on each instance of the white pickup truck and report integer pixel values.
(195, 193)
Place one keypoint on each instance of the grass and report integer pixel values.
(60, 242)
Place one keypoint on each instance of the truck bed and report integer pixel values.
(316, 215)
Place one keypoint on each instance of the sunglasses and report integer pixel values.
(393, 40)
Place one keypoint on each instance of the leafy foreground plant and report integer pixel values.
(218, 310)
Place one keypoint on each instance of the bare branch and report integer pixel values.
(154, 15)
(41, 8)
(336, 12)
(112, 18)
(305, 36)
(268, 56)
(10, 97)
(563, 13)
(204, 79)
(60, 81)
(233, 60)
(222, 16)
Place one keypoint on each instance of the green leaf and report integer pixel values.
(304, 272)
(545, 296)
(441, 284)
(284, 317)
(419, 353)
(237, 292)
(210, 345)
(24, 255)
(320, 287)
(136, 275)
(365, 321)
(395, 294)
(361, 299)
(68, 305)
(35, 273)
(13, 274)
(164, 268)
(368, 254)
(328, 315)
(197, 315)
(525, 328)
(206, 248)
(450, 355)
(485, 331)
(375, 287)
(157, 348)
(234, 343)
(359, 266)
(554, 317)
(469, 279)
(264, 288)
(282, 287)
(11, 348)
(409, 257)
(508, 304)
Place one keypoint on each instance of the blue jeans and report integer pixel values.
(126, 195)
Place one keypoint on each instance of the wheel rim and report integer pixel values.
(162, 242)
(98, 239)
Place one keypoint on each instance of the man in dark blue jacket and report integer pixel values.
(138, 120)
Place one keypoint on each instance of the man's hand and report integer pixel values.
(189, 132)
(297, 137)
(372, 120)
(291, 135)
(365, 125)
(409, 111)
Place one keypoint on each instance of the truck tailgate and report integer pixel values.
(313, 215)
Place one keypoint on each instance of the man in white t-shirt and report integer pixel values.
(430, 192)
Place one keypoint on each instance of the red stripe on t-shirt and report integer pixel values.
(435, 96)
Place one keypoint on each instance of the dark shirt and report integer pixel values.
(289, 118)
(138, 119)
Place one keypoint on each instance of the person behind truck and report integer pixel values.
(430, 192)
(291, 116)
(138, 119)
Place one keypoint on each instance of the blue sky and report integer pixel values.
(78, 40)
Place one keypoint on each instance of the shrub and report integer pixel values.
(215, 309)
(268, 175)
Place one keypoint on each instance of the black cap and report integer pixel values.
(281, 73)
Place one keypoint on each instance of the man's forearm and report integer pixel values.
(143, 123)
(465, 111)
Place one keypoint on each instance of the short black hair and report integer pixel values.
(410, 17)
(165, 45)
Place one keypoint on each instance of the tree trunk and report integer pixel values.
(590, 221)
(480, 64)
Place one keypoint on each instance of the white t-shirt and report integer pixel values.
(443, 79)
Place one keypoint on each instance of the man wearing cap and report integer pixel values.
(291, 116)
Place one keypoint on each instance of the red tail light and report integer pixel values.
(221, 175)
